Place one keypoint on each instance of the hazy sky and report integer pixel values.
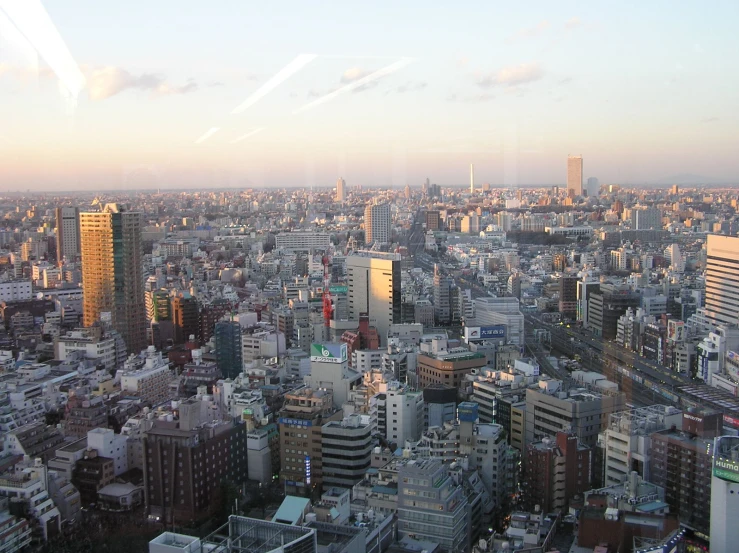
(643, 90)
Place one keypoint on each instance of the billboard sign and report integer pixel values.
(338, 289)
(495, 332)
(676, 331)
(328, 353)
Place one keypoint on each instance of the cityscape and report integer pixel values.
(269, 284)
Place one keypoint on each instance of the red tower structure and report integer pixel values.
(328, 308)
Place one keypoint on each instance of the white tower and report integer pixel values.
(472, 178)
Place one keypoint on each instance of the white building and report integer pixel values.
(303, 240)
(16, 290)
(725, 495)
(110, 445)
(399, 412)
(151, 380)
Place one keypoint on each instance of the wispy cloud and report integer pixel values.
(105, 82)
(361, 83)
(573, 23)
(710, 120)
(281, 76)
(247, 135)
(529, 32)
(207, 134)
(511, 76)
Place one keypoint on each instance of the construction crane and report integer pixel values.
(328, 307)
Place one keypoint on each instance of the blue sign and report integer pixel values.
(307, 470)
(467, 411)
(496, 331)
(295, 422)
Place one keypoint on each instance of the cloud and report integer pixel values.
(710, 120)
(106, 82)
(529, 32)
(512, 76)
(473, 99)
(573, 23)
(215, 84)
(564, 80)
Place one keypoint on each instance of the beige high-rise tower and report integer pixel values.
(340, 190)
(574, 175)
(377, 223)
(112, 279)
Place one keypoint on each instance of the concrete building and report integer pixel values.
(556, 470)
(186, 462)
(443, 287)
(431, 507)
(722, 279)
(398, 412)
(373, 280)
(303, 241)
(550, 409)
(110, 445)
(447, 367)
(112, 280)
(574, 175)
(377, 224)
(67, 233)
(682, 462)
(340, 190)
(501, 311)
(346, 450)
(150, 381)
(607, 305)
(229, 348)
(626, 442)
(301, 419)
(103, 350)
(16, 290)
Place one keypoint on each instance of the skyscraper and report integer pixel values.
(67, 232)
(112, 278)
(229, 354)
(472, 178)
(340, 190)
(593, 187)
(574, 175)
(373, 280)
(722, 279)
(725, 494)
(377, 223)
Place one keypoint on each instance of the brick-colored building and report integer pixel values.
(447, 368)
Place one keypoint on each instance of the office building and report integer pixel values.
(501, 311)
(447, 367)
(148, 379)
(373, 280)
(399, 413)
(229, 350)
(186, 462)
(443, 286)
(584, 291)
(67, 233)
(377, 224)
(433, 220)
(574, 175)
(627, 443)
(722, 279)
(682, 462)
(556, 470)
(112, 274)
(646, 218)
(440, 405)
(184, 318)
(346, 448)
(549, 410)
(301, 419)
(725, 495)
(568, 296)
(340, 190)
(303, 241)
(431, 507)
(593, 187)
(606, 306)
(16, 290)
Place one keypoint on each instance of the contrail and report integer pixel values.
(210, 132)
(247, 135)
(387, 70)
(285, 73)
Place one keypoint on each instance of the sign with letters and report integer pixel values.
(328, 353)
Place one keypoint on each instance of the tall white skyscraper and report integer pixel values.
(472, 178)
(67, 233)
(574, 175)
(377, 223)
(722, 279)
(340, 190)
(373, 281)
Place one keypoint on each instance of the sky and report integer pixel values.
(181, 94)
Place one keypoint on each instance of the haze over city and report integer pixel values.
(187, 94)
